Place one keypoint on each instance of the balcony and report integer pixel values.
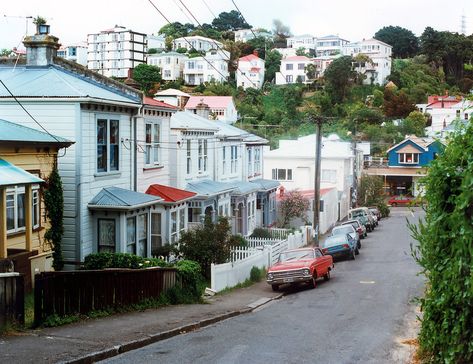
(375, 162)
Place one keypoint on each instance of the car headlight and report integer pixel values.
(270, 276)
(306, 272)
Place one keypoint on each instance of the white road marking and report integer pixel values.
(367, 282)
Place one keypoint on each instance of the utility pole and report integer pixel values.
(318, 159)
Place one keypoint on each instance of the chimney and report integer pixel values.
(203, 109)
(41, 48)
(255, 52)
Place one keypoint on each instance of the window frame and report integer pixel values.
(99, 245)
(112, 165)
(153, 144)
(402, 158)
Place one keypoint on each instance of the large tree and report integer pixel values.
(339, 76)
(405, 43)
(147, 77)
(272, 65)
(230, 21)
(176, 30)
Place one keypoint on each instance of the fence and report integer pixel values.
(65, 293)
(260, 253)
(12, 299)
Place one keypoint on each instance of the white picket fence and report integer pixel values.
(261, 253)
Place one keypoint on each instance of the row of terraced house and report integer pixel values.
(136, 172)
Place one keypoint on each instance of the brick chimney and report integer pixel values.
(41, 48)
(202, 109)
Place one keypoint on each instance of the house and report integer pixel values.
(244, 35)
(114, 52)
(196, 42)
(171, 64)
(157, 42)
(293, 70)
(406, 164)
(321, 64)
(250, 72)
(293, 166)
(377, 67)
(211, 68)
(219, 107)
(173, 97)
(27, 157)
(329, 45)
(75, 53)
(306, 41)
(443, 110)
(286, 52)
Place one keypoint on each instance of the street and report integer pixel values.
(356, 317)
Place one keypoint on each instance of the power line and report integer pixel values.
(31, 116)
(208, 7)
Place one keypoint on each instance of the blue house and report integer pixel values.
(406, 164)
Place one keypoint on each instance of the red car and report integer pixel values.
(400, 200)
(300, 265)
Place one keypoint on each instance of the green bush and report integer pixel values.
(445, 238)
(256, 274)
(190, 285)
(120, 260)
(383, 209)
(261, 233)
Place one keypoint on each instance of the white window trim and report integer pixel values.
(108, 119)
(405, 159)
(153, 144)
(276, 170)
(17, 190)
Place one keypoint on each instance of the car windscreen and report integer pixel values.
(359, 213)
(334, 241)
(296, 255)
(342, 230)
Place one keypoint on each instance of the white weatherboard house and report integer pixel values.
(329, 45)
(171, 64)
(211, 68)
(220, 107)
(378, 69)
(75, 53)
(250, 72)
(293, 70)
(306, 41)
(197, 42)
(293, 165)
(173, 97)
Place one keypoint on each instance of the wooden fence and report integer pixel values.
(12, 299)
(65, 293)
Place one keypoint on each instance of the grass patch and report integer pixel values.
(256, 275)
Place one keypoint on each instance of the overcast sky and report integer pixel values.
(71, 21)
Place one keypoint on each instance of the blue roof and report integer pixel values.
(56, 82)
(116, 198)
(208, 187)
(12, 132)
(266, 184)
(242, 187)
(11, 175)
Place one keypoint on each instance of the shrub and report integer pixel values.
(445, 254)
(383, 209)
(191, 283)
(238, 241)
(256, 274)
(120, 260)
(261, 233)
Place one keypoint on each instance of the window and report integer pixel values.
(153, 135)
(205, 155)
(224, 160)
(156, 240)
(409, 158)
(289, 66)
(200, 152)
(182, 217)
(106, 235)
(107, 145)
(189, 157)
(234, 158)
(142, 235)
(329, 175)
(282, 174)
(173, 227)
(36, 211)
(289, 79)
(190, 65)
(131, 235)
(466, 116)
(457, 113)
(167, 73)
(250, 162)
(300, 66)
(257, 168)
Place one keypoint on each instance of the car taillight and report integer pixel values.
(346, 246)
(324, 250)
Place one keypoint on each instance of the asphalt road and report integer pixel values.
(356, 317)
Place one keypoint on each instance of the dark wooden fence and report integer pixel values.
(65, 293)
(12, 299)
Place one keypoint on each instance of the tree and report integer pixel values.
(176, 30)
(230, 21)
(260, 44)
(54, 203)
(397, 104)
(339, 77)
(209, 243)
(444, 253)
(359, 64)
(370, 191)
(414, 124)
(5, 52)
(300, 51)
(272, 65)
(310, 71)
(147, 77)
(405, 43)
(293, 205)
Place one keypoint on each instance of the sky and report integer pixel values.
(71, 21)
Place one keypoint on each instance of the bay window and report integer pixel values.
(16, 208)
(156, 240)
(141, 248)
(131, 235)
(173, 227)
(106, 235)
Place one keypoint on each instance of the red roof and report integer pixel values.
(442, 102)
(249, 58)
(169, 194)
(152, 102)
(214, 102)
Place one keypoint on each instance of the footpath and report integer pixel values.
(96, 339)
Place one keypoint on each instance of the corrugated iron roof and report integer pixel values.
(242, 187)
(56, 82)
(266, 184)
(116, 198)
(168, 193)
(189, 120)
(11, 175)
(12, 132)
(208, 187)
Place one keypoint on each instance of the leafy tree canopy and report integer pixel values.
(147, 77)
(339, 77)
(405, 43)
(272, 65)
(230, 21)
(176, 30)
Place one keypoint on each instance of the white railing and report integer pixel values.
(259, 253)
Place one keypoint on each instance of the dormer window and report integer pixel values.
(409, 158)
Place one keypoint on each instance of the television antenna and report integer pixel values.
(20, 17)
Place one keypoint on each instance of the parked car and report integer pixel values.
(359, 227)
(400, 200)
(373, 215)
(365, 218)
(340, 246)
(347, 229)
(376, 211)
(300, 265)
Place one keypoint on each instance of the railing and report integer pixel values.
(65, 293)
(242, 253)
(12, 300)
(375, 162)
(256, 242)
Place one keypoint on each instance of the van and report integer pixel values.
(363, 214)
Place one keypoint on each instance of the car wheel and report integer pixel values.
(327, 276)
(313, 281)
(352, 257)
(357, 251)
(275, 287)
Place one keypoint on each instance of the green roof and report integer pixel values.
(11, 175)
(12, 132)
